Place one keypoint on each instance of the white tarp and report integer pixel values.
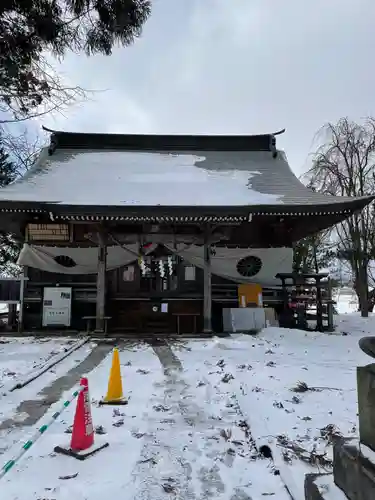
(224, 262)
(86, 259)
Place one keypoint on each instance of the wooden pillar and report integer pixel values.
(319, 305)
(23, 285)
(207, 299)
(330, 307)
(12, 316)
(101, 281)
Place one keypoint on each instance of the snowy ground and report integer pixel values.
(347, 301)
(291, 423)
(19, 356)
(184, 434)
(175, 439)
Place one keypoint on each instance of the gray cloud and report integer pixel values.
(238, 66)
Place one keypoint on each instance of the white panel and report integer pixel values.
(57, 306)
(189, 273)
(129, 273)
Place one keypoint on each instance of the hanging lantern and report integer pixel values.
(161, 268)
(170, 265)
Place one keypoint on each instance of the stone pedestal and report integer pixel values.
(322, 487)
(354, 469)
(353, 475)
(366, 404)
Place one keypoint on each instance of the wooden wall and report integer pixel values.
(129, 303)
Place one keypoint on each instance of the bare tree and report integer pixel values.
(23, 148)
(313, 253)
(344, 166)
(55, 95)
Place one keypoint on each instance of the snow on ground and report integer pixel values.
(114, 470)
(175, 439)
(30, 354)
(346, 299)
(265, 369)
(183, 433)
(19, 356)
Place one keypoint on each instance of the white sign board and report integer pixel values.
(57, 303)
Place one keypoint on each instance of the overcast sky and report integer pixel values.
(234, 66)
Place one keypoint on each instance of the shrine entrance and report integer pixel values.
(166, 300)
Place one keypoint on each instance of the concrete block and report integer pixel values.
(243, 319)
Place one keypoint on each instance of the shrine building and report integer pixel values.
(157, 233)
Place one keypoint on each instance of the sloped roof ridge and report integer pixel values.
(163, 142)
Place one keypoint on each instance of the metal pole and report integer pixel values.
(28, 444)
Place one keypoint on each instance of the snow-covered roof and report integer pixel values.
(203, 171)
(127, 178)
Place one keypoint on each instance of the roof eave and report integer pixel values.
(60, 210)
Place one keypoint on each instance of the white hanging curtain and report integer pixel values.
(224, 262)
(85, 259)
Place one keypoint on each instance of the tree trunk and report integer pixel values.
(362, 290)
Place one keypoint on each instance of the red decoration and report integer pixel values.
(83, 430)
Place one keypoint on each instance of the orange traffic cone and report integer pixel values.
(82, 442)
(115, 395)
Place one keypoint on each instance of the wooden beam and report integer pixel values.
(100, 281)
(207, 299)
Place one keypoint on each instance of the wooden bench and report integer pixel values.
(88, 320)
(193, 315)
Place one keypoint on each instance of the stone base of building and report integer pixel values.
(353, 475)
(354, 469)
(322, 487)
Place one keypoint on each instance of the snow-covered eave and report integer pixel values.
(184, 213)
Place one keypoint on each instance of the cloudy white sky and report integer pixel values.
(234, 66)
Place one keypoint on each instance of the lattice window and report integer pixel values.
(48, 232)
